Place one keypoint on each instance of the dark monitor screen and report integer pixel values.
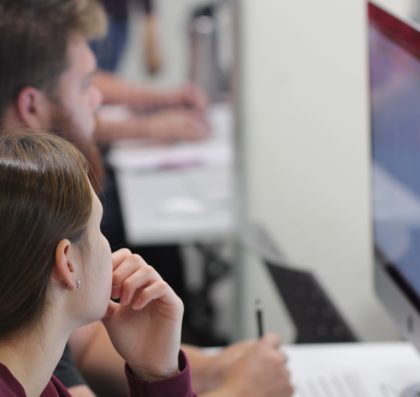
(394, 62)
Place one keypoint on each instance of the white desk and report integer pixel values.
(353, 370)
(179, 193)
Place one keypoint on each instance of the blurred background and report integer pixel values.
(287, 83)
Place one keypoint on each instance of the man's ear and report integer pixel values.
(33, 108)
(64, 267)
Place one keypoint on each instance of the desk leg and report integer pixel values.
(202, 314)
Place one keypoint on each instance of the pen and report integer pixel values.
(259, 315)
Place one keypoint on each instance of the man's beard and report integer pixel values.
(63, 126)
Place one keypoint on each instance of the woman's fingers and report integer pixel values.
(112, 308)
(141, 278)
(119, 256)
(272, 339)
(159, 289)
(137, 284)
(124, 271)
(131, 277)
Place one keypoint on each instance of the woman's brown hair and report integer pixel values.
(45, 196)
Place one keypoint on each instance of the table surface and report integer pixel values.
(177, 193)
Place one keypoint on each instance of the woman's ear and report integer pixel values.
(33, 108)
(64, 267)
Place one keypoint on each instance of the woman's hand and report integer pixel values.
(247, 369)
(145, 327)
(261, 371)
(210, 368)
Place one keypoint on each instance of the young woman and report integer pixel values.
(57, 273)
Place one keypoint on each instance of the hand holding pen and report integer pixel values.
(259, 317)
(260, 372)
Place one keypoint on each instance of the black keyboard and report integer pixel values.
(316, 318)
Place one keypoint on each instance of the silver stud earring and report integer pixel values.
(77, 283)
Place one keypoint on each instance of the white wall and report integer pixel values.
(305, 126)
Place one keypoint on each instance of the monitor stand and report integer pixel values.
(412, 391)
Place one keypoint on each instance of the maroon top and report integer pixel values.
(176, 386)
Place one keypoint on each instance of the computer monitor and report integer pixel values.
(394, 63)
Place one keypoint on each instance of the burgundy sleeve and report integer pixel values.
(175, 386)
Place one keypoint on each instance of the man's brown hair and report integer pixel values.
(45, 197)
(34, 37)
